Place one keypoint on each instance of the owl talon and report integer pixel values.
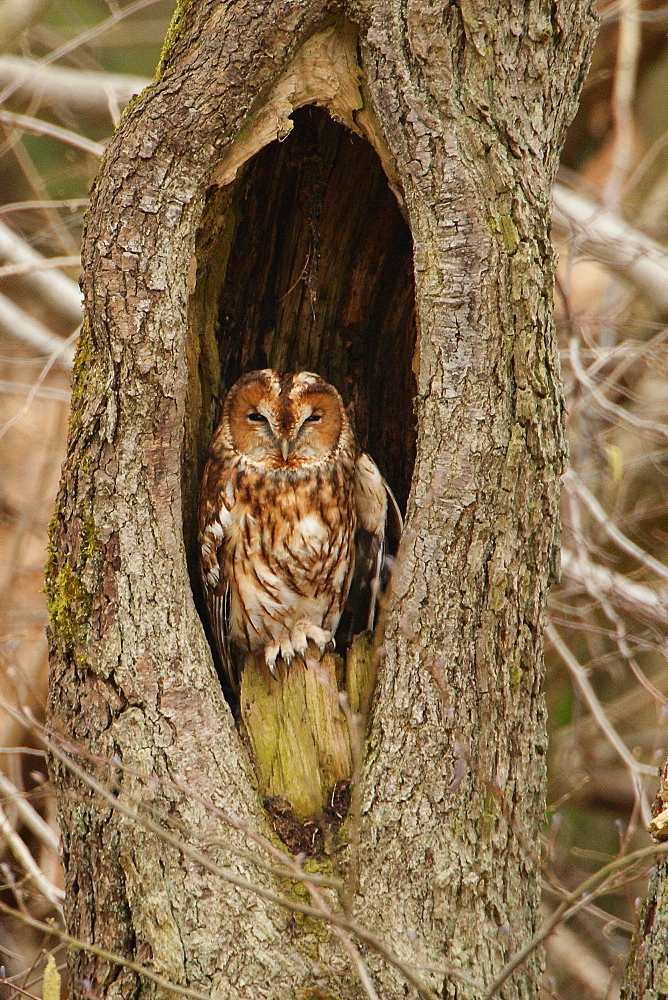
(321, 637)
(270, 654)
(299, 640)
(287, 650)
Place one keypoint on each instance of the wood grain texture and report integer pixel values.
(298, 734)
(472, 101)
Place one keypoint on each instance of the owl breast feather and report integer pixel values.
(290, 556)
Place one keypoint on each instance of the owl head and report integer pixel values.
(285, 421)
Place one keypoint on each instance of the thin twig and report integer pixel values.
(18, 989)
(285, 868)
(108, 956)
(55, 357)
(31, 206)
(47, 264)
(18, 848)
(355, 724)
(569, 955)
(610, 240)
(15, 322)
(569, 907)
(349, 946)
(29, 815)
(614, 923)
(43, 392)
(621, 636)
(16, 146)
(579, 674)
(571, 481)
(618, 412)
(35, 126)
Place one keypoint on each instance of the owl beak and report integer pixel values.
(285, 448)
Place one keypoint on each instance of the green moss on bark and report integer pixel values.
(69, 604)
(174, 32)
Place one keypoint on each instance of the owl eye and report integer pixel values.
(313, 418)
(257, 418)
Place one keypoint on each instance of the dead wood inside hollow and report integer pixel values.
(314, 270)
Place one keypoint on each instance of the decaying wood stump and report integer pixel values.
(297, 731)
(299, 734)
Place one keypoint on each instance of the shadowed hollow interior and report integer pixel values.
(320, 277)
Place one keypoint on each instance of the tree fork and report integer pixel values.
(452, 162)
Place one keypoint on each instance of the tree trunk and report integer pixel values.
(397, 243)
(647, 971)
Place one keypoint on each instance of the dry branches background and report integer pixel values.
(66, 72)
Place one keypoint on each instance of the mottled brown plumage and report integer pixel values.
(285, 492)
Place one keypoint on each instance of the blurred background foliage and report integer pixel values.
(67, 69)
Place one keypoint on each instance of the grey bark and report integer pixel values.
(646, 975)
(467, 106)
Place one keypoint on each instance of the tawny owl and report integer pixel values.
(285, 492)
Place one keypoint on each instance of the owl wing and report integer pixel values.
(375, 506)
(216, 503)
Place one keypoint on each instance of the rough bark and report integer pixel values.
(647, 971)
(465, 106)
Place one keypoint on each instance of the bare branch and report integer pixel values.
(356, 728)
(29, 815)
(624, 648)
(575, 901)
(108, 956)
(579, 675)
(618, 412)
(43, 392)
(359, 964)
(623, 91)
(16, 16)
(31, 206)
(35, 126)
(57, 90)
(571, 481)
(56, 290)
(568, 954)
(18, 848)
(46, 264)
(14, 322)
(635, 597)
(326, 915)
(81, 39)
(610, 240)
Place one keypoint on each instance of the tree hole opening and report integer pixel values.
(306, 263)
(320, 277)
